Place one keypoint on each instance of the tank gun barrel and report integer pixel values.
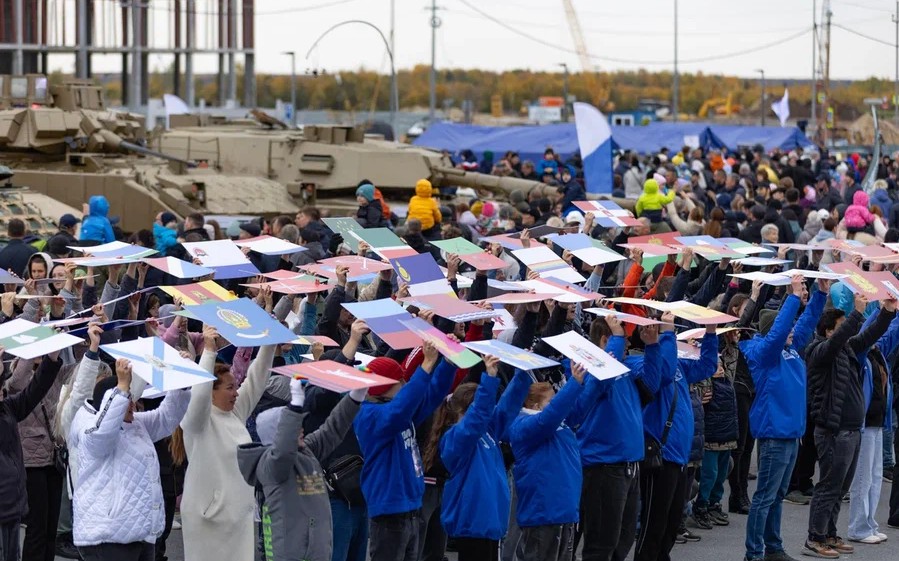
(497, 184)
(117, 142)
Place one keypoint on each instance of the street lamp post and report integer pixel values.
(394, 92)
(764, 94)
(293, 86)
(564, 92)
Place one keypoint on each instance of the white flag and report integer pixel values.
(782, 108)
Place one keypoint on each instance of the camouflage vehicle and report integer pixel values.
(63, 141)
(38, 211)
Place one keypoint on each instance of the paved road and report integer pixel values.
(726, 543)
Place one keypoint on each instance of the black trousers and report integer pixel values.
(804, 470)
(431, 536)
(742, 456)
(394, 537)
(44, 485)
(477, 549)
(9, 541)
(838, 455)
(609, 500)
(663, 492)
(137, 551)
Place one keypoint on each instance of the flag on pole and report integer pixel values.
(594, 136)
(782, 108)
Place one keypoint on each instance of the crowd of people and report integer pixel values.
(490, 460)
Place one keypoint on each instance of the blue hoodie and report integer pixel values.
(676, 376)
(165, 238)
(887, 343)
(392, 476)
(96, 226)
(611, 431)
(779, 372)
(540, 439)
(476, 498)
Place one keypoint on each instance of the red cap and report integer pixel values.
(388, 368)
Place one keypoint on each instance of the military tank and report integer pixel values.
(321, 164)
(38, 211)
(64, 142)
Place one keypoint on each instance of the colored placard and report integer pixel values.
(384, 318)
(546, 263)
(178, 268)
(344, 226)
(28, 340)
(224, 257)
(292, 286)
(652, 249)
(384, 242)
(452, 350)
(270, 245)
(115, 249)
(861, 282)
(608, 214)
(312, 339)
(199, 293)
(158, 364)
(471, 254)
(511, 355)
(243, 323)
(623, 317)
(587, 249)
(598, 363)
(761, 261)
(334, 376)
(450, 307)
(561, 291)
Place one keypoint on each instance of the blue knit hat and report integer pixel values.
(367, 190)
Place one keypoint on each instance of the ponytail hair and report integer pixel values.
(176, 447)
(447, 415)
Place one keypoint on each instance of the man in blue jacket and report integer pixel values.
(610, 437)
(663, 490)
(778, 414)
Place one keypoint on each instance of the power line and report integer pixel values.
(296, 9)
(864, 6)
(868, 37)
(709, 58)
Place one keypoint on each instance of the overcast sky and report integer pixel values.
(620, 35)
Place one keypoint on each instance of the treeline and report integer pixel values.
(363, 90)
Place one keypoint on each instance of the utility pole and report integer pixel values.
(293, 87)
(137, 67)
(564, 92)
(676, 84)
(763, 111)
(812, 125)
(896, 84)
(829, 120)
(432, 98)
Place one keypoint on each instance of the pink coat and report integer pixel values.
(857, 214)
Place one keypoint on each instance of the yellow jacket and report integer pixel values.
(651, 199)
(423, 207)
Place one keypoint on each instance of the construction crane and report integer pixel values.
(578, 36)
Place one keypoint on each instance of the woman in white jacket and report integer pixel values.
(118, 510)
(218, 505)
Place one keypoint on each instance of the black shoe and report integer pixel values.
(752, 477)
(701, 518)
(779, 556)
(888, 475)
(689, 536)
(736, 506)
(718, 517)
(893, 523)
(67, 550)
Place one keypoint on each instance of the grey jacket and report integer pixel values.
(297, 512)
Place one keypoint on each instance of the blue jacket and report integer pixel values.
(552, 164)
(778, 371)
(165, 238)
(572, 191)
(609, 417)
(96, 226)
(886, 344)
(676, 376)
(540, 439)
(392, 476)
(476, 498)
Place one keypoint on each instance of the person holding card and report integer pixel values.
(392, 477)
(547, 507)
(217, 506)
(296, 515)
(464, 439)
(118, 500)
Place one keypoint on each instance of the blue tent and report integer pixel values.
(785, 138)
(531, 141)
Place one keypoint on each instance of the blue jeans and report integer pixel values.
(713, 476)
(889, 433)
(776, 459)
(350, 531)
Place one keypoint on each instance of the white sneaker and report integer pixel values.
(873, 539)
(883, 537)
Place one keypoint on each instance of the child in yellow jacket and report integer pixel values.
(650, 203)
(424, 207)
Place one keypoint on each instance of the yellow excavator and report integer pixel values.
(720, 106)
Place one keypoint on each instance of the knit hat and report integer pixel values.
(387, 367)
(367, 191)
(517, 196)
(488, 209)
(766, 320)
(251, 228)
(660, 179)
(167, 217)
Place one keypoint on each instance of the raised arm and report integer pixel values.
(533, 429)
(458, 444)
(327, 437)
(702, 369)
(510, 403)
(439, 385)
(23, 403)
(775, 340)
(254, 384)
(162, 421)
(99, 439)
(805, 325)
(200, 407)
(876, 329)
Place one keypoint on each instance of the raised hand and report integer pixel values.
(492, 365)
(861, 302)
(578, 371)
(358, 330)
(797, 283)
(210, 336)
(615, 325)
(94, 331)
(667, 322)
(341, 272)
(429, 351)
(123, 374)
(649, 334)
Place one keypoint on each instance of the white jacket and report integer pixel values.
(118, 497)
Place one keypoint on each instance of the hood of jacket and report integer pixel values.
(651, 187)
(98, 206)
(860, 198)
(423, 188)
(47, 259)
